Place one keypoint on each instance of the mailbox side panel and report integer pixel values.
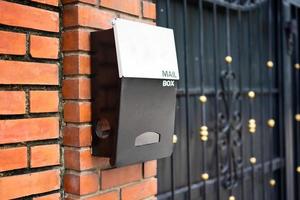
(147, 107)
(106, 86)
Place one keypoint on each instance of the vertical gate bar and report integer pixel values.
(216, 104)
(260, 63)
(240, 34)
(201, 63)
(250, 47)
(172, 156)
(187, 97)
(228, 49)
(296, 89)
(278, 53)
(286, 76)
(270, 82)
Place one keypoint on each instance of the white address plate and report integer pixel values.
(145, 51)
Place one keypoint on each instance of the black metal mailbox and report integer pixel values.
(134, 78)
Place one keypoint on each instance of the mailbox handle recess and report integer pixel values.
(147, 138)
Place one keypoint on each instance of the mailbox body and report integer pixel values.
(133, 113)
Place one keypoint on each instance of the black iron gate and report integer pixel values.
(234, 118)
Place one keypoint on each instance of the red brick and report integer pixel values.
(93, 2)
(76, 88)
(140, 190)
(45, 155)
(77, 64)
(13, 158)
(55, 196)
(17, 47)
(27, 184)
(44, 47)
(12, 102)
(87, 16)
(81, 184)
(150, 168)
(77, 112)
(16, 72)
(76, 40)
(49, 2)
(14, 14)
(82, 159)
(128, 6)
(44, 101)
(22, 130)
(149, 10)
(120, 176)
(77, 136)
(114, 195)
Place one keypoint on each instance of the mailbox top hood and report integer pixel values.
(145, 51)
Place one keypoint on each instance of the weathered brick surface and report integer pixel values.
(81, 159)
(55, 196)
(149, 10)
(45, 155)
(18, 15)
(18, 47)
(22, 130)
(77, 136)
(12, 102)
(44, 101)
(27, 184)
(29, 73)
(77, 111)
(114, 195)
(93, 2)
(13, 158)
(128, 6)
(88, 17)
(77, 64)
(76, 40)
(77, 88)
(44, 47)
(81, 184)
(30, 65)
(150, 168)
(140, 190)
(119, 176)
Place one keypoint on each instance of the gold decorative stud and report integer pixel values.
(298, 169)
(271, 123)
(203, 98)
(175, 139)
(204, 133)
(228, 59)
(252, 125)
(231, 197)
(272, 182)
(297, 66)
(297, 117)
(252, 160)
(270, 64)
(251, 94)
(205, 176)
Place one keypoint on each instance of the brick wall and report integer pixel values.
(88, 177)
(30, 152)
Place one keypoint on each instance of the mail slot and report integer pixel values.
(134, 80)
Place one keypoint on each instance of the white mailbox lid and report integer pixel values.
(145, 51)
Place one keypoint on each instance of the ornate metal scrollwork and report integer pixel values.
(238, 4)
(230, 129)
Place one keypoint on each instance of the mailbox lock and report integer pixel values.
(103, 129)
